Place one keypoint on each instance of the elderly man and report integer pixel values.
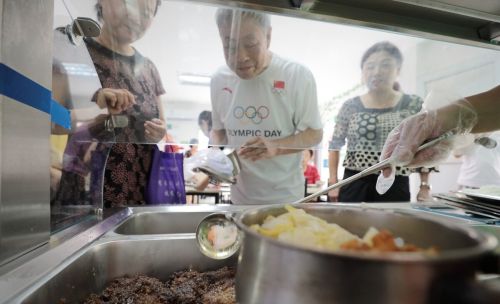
(264, 105)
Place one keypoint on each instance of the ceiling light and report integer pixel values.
(193, 79)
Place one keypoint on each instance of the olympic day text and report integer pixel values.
(254, 133)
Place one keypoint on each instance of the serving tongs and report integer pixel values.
(227, 220)
(371, 170)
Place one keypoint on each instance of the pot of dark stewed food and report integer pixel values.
(326, 254)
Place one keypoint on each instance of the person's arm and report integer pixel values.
(87, 157)
(333, 167)
(302, 140)
(155, 129)
(115, 100)
(78, 116)
(160, 108)
(476, 114)
(201, 181)
(487, 106)
(262, 148)
(218, 137)
(403, 141)
(424, 191)
(338, 141)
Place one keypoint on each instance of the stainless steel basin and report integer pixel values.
(161, 223)
(183, 219)
(170, 219)
(92, 270)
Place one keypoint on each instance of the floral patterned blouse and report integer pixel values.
(366, 130)
(128, 165)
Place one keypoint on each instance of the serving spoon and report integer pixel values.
(219, 237)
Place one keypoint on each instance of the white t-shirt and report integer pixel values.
(480, 166)
(279, 102)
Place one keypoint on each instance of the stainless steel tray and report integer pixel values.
(93, 269)
(67, 274)
(169, 220)
(161, 223)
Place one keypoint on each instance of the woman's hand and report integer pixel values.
(154, 130)
(258, 148)
(333, 195)
(115, 100)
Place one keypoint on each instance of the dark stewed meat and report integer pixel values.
(211, 287)
(138, 289)
(183, 287)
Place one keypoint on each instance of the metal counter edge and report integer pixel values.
(30, 274)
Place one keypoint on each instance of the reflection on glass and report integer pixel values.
(213, 85)
(104, 163)
(130, 91)
(73, 150)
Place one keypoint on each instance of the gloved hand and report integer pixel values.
(402, 143)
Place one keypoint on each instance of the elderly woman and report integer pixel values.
(365, 121)
(131, 86)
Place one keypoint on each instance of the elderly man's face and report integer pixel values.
(246, 49)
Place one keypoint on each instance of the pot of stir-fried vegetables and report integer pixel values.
(318, 253)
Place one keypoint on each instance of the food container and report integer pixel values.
(129, 248)
(270, 271)
(94, 269)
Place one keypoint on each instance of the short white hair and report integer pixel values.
(224, 16)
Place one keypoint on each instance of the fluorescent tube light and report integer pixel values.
(193, 79)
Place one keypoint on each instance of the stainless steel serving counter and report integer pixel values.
(152, 240)
(69, 268)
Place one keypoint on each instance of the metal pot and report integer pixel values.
(270, 271)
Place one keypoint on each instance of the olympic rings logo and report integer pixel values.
(256, 115)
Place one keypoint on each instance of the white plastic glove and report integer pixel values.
(402, 143)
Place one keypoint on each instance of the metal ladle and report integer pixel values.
(224, 223)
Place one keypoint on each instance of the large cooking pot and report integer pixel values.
(270, 271)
